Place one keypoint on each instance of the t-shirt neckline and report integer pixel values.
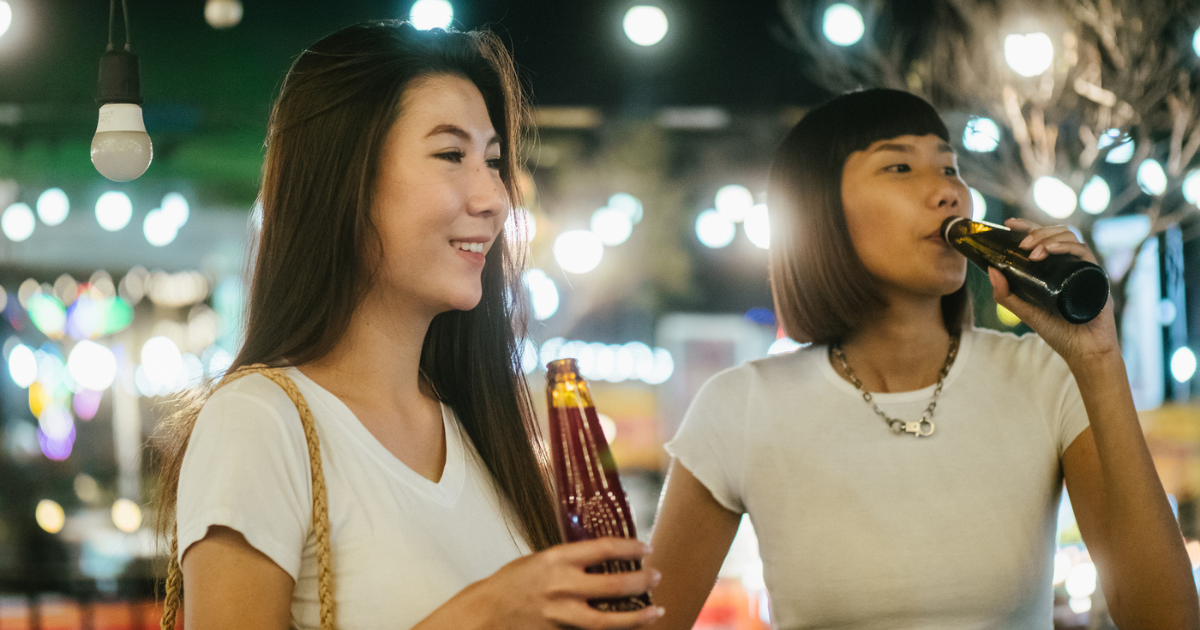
(445, 491)
(916, 395)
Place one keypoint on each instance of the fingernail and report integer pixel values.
(647, 547)
(655, 577)
(1025, 243)
(660, 610)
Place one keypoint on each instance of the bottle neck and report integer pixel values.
(562, 370)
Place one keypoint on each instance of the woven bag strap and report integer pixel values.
(320, 511)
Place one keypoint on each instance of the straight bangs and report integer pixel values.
(821, 289)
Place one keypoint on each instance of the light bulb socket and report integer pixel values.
(119, 78)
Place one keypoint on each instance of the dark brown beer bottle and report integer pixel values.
(591, 501)
(1059, 283)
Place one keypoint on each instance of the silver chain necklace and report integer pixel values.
(917, 428)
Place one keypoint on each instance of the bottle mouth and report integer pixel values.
(947, 224)
(561, 367)
(1084, 295)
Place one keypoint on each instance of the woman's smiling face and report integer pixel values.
(439, 202)
(895, 195)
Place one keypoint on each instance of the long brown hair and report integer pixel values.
(822, 290)
(313, 264)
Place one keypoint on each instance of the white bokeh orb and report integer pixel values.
(53, 206)
(1095, 196)
(578, 251)
(1151, 177)
(981, 135)
(842, 24)
(611, 225)
(1054, 197)
(645, 25)
(113, 210)
(733, 202)
(17, 222)
(427, 14)
(714, 230)
(1029, 54)
(758, 226)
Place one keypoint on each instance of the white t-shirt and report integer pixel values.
(401, 544)
(861, 529)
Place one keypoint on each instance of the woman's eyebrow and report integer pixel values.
(457, 132)
(901, 147)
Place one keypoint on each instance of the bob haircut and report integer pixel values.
(318, 250)
(822, 290)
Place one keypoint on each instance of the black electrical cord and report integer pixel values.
(112, 5)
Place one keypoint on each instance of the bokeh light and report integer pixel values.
(22, 365)
(645, 25)
(427, 14)
(714, 230)
(758, 226)
(53, 206)
(85, 403)
(162, 363)
(1183, 364)
(578, 251)
(158, 228)
(175, 208)
(734, 202)
(978, 205)
(126, 515)
(1081, 581)
(1029, 54)
(1151, 177)
(50, 516)
(1121, 153)
(1095, 196)
(612, 226)
(113, 210)
(543, 294)
(1191, 186)
(17, 222)
(628, 204)
(842, 24)
(981, 135)
(92, 365)
(1054, 197)
(6, 16)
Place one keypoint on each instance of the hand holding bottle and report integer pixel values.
(550, 590)
(1078, 344)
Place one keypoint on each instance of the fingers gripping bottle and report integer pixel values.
(591, 501)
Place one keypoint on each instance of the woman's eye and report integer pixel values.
(898, 168)
(452, 156)
(951, 171)
(495, 163)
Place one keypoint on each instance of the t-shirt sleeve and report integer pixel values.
(1072, 416)
(710, 442)
(246, 468)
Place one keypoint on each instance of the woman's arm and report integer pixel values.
(229, 584)
(1119, 502)
(692, 535)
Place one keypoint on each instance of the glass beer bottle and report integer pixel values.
(591, 501)
(1059, 283)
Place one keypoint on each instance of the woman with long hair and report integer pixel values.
(382, 298)
(904, 469)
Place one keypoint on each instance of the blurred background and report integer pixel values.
(644, 227)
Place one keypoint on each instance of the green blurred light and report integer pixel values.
(48, 314)
(117, 315)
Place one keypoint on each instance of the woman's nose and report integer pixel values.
(486, 195)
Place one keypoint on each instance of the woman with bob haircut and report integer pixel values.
(408, 489)
(904, 469)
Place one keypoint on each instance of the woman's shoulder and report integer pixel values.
(252, 403)
(785, 366)
(1012, 353)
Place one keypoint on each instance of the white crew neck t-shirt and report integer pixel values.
(402, 545)
(861, 529)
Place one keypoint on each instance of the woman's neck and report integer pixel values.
(375, 366)
(903, 349)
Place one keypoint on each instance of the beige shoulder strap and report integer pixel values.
(320, 513)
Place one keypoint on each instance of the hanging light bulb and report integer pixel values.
(223, 13)
(121, 149)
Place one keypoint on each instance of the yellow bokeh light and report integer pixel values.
(1007, 317)
(126, 515)
(50, 516)
(39, 399)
